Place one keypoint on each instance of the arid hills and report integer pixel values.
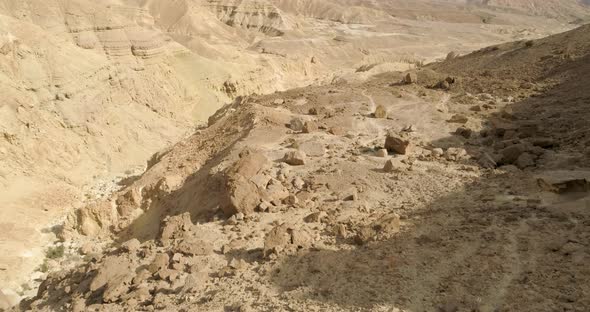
(294, 155)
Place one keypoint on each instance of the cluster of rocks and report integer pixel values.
(519, 143)
(253, 184)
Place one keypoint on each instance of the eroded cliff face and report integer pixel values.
(250, 14)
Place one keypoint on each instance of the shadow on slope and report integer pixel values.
(497, 244)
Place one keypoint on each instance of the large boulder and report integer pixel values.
(295, 158)
(243, 194)
(397, 145)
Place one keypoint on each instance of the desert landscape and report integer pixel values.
(294, 155)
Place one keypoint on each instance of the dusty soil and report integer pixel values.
(460, 186)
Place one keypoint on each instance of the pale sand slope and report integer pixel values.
(91, 90)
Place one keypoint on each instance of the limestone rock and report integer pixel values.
(525, 160)
(194, 247)
(455, 153)
(380, 112)
(312, 149)
(511, 153)
(117, 287)
(277, 239)
(131, 245)
(296, 124)
(452, 55)
(310, 126)
(411, 78)
(438, 152)
(389, 166)
(243, 194)
(316, 217)
(337, 130)
(161, 261)
(94, 219)
(112, 269)
(464, 132)
(397, 145)
(295, 158)
(486, 161)
(174, 226)
(458, 118)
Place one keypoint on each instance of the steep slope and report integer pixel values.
(460, 192)
(93, 89)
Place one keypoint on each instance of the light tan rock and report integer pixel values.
(389, 166)
(397, 145)
(380, 112)
(296, 124)
(194, 247)
(312, 149)
(310, 126)
(295, 158)
(161, 261)
(243, 193)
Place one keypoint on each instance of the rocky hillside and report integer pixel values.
(92, 89)
(458, 186)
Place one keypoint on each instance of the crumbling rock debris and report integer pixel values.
(286, 238)
(455, 153)
(382, 228)
(173, 226)
(277, 239)
(194, 247)
(114, 273)
(128, 202)
(316, 217)
(131, 245)
(161, 261)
